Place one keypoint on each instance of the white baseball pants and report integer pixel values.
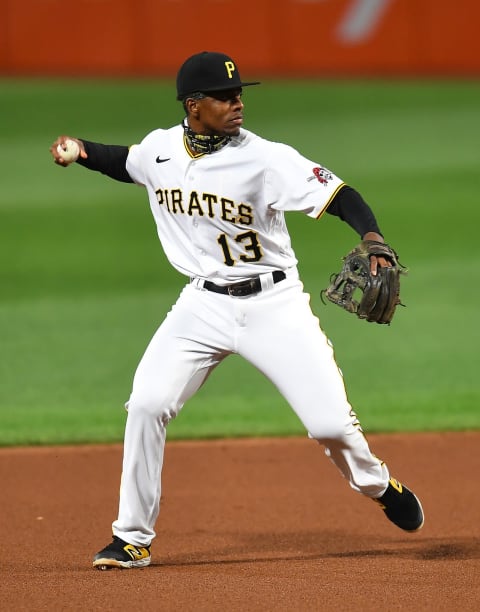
(277, 332)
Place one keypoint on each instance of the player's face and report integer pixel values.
(219, 113)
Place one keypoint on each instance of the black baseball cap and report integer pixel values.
(208, 71)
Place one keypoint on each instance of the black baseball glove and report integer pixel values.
(378, 295)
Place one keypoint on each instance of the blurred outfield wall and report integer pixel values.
(277, 37)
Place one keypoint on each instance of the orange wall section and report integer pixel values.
(276, 37)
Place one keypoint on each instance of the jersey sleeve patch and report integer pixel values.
(321, 174)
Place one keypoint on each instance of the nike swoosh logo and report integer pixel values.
(159, 160)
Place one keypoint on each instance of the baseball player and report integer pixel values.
(218, 194)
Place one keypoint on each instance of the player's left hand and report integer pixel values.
(377, 261)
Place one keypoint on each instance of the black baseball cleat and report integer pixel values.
(123, 555)
(401, 506)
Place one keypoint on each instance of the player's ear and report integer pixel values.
(191, 105)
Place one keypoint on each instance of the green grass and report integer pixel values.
(85, 283)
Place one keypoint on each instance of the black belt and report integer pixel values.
(249, 287)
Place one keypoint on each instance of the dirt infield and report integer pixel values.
(245, 525)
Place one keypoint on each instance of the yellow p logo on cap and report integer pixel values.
(230, 66)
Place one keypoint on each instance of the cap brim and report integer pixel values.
(233, 87)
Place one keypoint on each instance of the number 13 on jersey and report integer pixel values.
(250, 245)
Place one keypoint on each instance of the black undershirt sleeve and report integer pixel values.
(107, 159)
(349, 205)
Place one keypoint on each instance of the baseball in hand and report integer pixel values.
(69, 151)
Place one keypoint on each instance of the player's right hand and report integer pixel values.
(56, 148)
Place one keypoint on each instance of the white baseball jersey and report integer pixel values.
(221, 216)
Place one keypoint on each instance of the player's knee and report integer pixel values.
(336, 424)
(154, 405)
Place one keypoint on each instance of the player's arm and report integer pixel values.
(107, 159)
(349, 205)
